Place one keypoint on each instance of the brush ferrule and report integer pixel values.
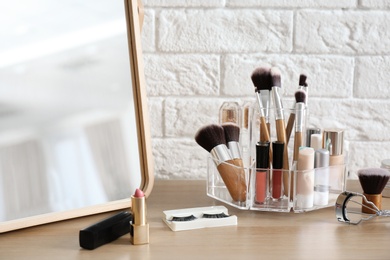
(220, 153)
(234, 149)
(264, 96)
(261, 108)
(299, 116)
(306, 89)
(277, 103)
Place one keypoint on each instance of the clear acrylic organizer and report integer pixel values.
(271, 189)
(302, 185)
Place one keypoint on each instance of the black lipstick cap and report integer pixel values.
(262, 155)
(105, 231)
(277, 158)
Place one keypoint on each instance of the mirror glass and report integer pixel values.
(68, 136)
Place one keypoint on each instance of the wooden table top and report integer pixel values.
(258, 235)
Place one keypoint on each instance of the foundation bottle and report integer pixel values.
(333, 141)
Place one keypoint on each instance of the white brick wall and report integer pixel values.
(199, 53)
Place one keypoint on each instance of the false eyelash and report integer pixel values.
(205, 215)
(201, 217)
(187, 218)
(220, 215)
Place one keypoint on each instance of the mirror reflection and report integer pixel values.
(68, 136)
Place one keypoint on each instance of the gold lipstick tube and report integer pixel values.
(139, 228)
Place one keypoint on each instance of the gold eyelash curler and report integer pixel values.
(349, 208)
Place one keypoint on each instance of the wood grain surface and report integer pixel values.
(258, 235)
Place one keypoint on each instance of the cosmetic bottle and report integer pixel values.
(385, 164)
(316, 141)
(333, 141)
(229, 112)
(246, 114)
(305, 178)
(262, 172)
(321, 178)
(309, 132)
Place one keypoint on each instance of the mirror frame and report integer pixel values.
(134, 20)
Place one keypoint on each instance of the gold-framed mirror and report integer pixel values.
(74, 131)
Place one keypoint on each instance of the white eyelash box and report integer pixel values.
(195, 218)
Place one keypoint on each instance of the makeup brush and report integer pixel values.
(232, 137)
(279, 115)
(300, 97)
(212, 139)
(303, 85)
(279, 123)
(291, 119)
(261, 79)
(373, 181)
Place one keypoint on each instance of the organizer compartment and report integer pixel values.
(216, 183)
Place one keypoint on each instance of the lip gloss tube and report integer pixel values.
(262, 165)
(277, 166)
(139, 228)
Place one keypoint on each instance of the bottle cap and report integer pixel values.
(309, 132)
(321, 158)
(262, 155)
(316, 141)
(278, 149)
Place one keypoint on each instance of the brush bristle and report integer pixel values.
(302, 80)
(276, 77)
(300, 96)
(373, 180)
(210, 136)
(232, 132)
(261, 78)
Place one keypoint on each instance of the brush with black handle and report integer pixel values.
(373, 181)
(279, 124)
(212, 139)
(279, 113)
